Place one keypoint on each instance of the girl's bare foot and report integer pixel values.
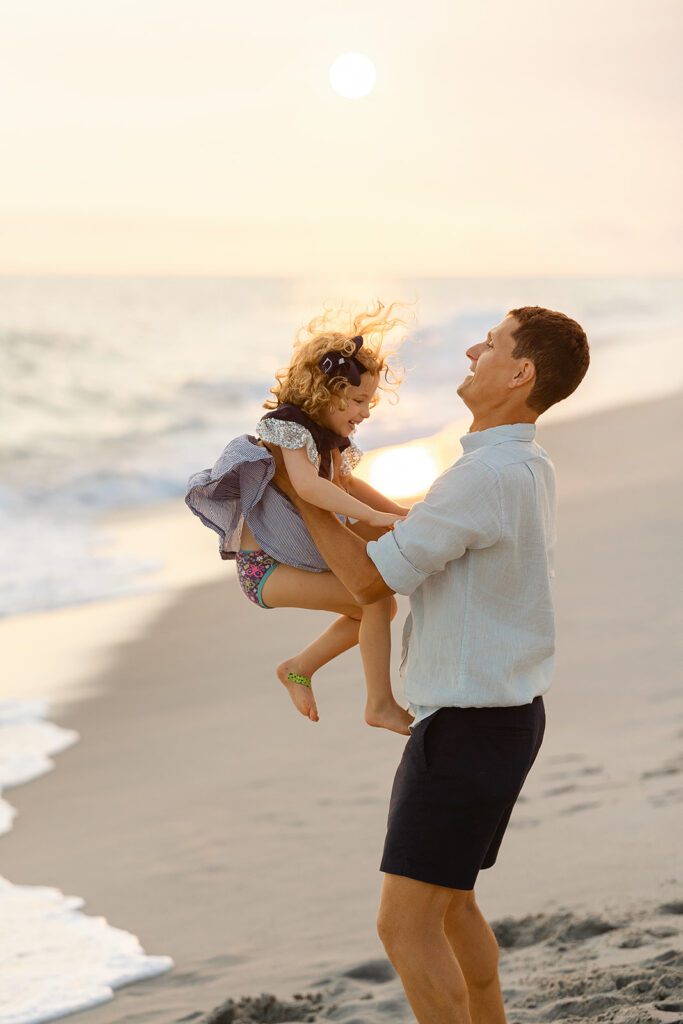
(302, 696)
(389, 716)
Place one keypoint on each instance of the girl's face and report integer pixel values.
(344, 416)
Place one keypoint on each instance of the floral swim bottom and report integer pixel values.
(253, 569)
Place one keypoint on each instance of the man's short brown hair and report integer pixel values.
(558, 348)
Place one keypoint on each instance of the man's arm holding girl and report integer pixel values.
(461, 511)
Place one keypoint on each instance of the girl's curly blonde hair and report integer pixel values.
(303, 383)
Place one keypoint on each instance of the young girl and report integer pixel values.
(328, 388)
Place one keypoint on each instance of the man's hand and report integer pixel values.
(385, 519)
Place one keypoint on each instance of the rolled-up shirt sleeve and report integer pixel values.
(462, 510)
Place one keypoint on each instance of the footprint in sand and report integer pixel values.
(564, 758)
(516, 933)
(669, 796)
(562, 767)
(575, 808)
(667, 770)
(574, 773)
(571, 787)
(674, 766)
(574, 779)
(672, 907)
(377, 971)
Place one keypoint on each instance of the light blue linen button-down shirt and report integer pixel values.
(476, 557)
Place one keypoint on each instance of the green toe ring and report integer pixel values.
(302, 680)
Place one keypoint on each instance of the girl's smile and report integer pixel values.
(357, 402)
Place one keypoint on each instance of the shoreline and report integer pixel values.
(147, 817)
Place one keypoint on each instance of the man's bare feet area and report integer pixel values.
(389, 716)
(302, 696)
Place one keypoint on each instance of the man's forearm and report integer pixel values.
(343, 551)
(345, 554)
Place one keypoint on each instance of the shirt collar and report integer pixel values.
(497, 435)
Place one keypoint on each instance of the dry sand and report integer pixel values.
(201, 813)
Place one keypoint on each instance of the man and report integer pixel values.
(476, 558)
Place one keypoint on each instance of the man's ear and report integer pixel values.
(525, 374)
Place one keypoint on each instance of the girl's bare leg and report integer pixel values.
(297, 589)
(375, 648)
(287, 587)
(337, 638)
(382, 708)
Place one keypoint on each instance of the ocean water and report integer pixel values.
(114, 390)
(54, 959)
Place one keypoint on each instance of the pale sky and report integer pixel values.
(169, 136)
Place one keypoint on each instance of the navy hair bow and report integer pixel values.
(336, 364)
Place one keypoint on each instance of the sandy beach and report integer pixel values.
(201, 813)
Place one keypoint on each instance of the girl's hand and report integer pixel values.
(386, 519)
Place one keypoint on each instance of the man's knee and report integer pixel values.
(398, 933)
(391, 930)
(410, 918)
(403, 933)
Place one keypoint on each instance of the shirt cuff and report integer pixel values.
(397, 572)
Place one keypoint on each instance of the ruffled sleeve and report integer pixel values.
(286, 434)
(350, 458)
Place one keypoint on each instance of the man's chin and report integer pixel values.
(462, 390)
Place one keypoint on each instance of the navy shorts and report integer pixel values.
(459, 778)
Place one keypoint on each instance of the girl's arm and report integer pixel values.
(375, 499)
(326, 495)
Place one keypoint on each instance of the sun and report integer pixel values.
(353, 76)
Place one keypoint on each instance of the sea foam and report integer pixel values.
(54, 959)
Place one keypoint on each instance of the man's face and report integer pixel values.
(492, 368)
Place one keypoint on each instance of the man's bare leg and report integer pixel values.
(411, 927)
(476, 950)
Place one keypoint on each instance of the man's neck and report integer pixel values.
(484, 421)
